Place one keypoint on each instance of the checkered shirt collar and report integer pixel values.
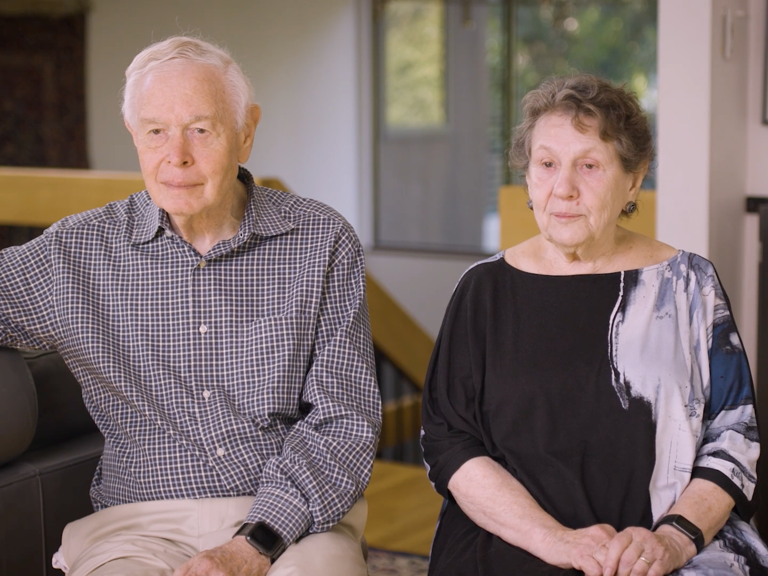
(261, 217)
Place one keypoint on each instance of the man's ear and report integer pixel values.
(134, 136)
(252, 118)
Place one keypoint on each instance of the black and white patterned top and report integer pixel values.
(248, 371)
(604, 395)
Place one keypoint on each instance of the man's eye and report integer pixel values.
(547, 164)
(201, 131)
(155, 131)
(589, 166)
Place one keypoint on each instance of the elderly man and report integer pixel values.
(220, 334)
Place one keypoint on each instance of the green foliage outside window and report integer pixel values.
(414, 64)
(613, 39)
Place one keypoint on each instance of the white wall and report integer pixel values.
(757, 132)
(757, 175)
(301, 56)
(728, 145)
(712, 146)
(684, 124)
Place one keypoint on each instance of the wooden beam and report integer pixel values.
(42, 196)
(397, 335)
(402, 508)
(401, 421)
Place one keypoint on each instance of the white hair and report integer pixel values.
(187, 49)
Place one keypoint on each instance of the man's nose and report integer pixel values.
(179, 153)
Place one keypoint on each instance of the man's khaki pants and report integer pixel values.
(154, 538)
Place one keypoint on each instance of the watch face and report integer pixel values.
(267, 539)
(687, 526)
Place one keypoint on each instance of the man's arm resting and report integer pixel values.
(234, 558)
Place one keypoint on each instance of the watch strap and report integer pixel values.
(682, 524)
(263, 538)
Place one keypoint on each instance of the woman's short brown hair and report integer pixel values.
(620, 118)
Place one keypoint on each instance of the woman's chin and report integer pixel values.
(569, 241)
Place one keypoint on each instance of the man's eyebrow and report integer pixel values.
(190, 120)
(200, 118)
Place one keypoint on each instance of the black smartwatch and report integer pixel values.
(685, 526)
(264, 539)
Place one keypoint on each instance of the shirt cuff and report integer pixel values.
(453, 463)
(286, 513)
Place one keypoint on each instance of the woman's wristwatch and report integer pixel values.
(685, 526)
(263, 538)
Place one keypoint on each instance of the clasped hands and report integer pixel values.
(601, 551)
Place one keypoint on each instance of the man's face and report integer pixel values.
(186, 139)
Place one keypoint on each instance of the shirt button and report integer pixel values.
(168, 233)
(203, 328)
(220, 451)
(206, 394)
(201, 264)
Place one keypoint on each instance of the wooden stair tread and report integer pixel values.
(402, 508)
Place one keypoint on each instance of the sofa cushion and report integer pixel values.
(61, 413)
(18, 405)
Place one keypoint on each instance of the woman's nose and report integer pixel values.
(565, 185)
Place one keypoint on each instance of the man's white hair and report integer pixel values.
(187, 49)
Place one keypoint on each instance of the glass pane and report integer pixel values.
(497, 62)
(436, 189)
(414, 62)
(613, 39)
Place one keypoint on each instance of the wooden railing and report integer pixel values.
(41, 196)
(518, 224)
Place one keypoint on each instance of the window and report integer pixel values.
(414, 65)
(450, 78)
(612, 39)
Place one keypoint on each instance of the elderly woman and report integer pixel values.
(589, 407)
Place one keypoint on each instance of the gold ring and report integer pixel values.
(644, 559)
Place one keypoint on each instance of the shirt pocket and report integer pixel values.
(276, 354)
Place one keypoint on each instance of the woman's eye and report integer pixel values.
(547, 164)
(155, 131)
(201, 131)
(589, 166)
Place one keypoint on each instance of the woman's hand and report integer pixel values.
(579, 548)
(640, 552)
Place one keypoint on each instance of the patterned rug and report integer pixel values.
(383, 563)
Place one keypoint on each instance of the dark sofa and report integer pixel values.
(49, 448)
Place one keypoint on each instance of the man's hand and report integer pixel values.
(640, 552)
(579, 548)
(234, 558)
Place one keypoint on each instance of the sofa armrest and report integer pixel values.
(18, 405)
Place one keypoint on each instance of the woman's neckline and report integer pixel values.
(666, 262)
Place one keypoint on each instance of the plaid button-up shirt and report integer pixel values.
(247, 371)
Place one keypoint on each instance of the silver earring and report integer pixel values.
(630, 208)
(529, 204)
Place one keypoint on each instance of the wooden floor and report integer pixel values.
(402, 508)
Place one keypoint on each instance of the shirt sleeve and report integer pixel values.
(26, 296)
(451, 433)
(730, 443)
(328, 455)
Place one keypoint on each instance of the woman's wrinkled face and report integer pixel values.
(576, 182)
